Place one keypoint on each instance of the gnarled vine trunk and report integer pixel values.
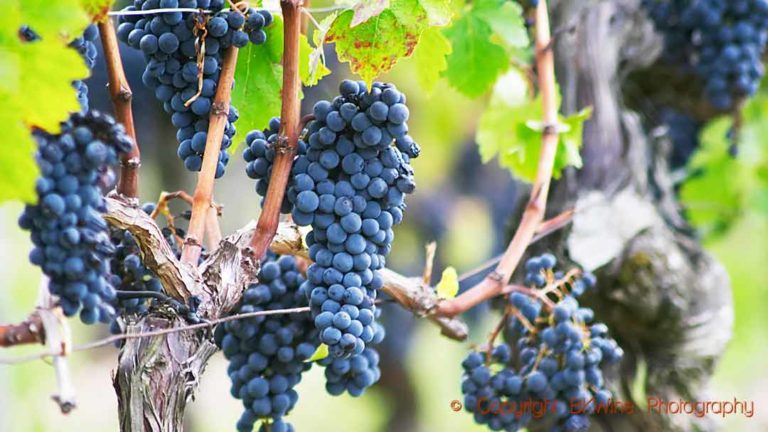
(666, 300)
(157, 376)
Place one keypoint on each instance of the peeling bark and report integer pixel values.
(157, 376)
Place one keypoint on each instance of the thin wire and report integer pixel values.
(206, 11)
(125, 336)
(156, 11)
(311, 18)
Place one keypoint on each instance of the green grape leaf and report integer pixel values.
(571, 139)
(35, 83)
(716, 195)
(506, 20)
(18, 169)
(476, 61)
(45, 85)
(429, 58)
(320, 353)
(50, 19)
(258, 81)
(448, 286)
(511, 129)
(374, 46)
(367, 9)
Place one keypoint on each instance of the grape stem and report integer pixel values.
(496, 331)
(305, 120)
(165, 198)
(545, 228)
(288, 138)
(493, 285)
(530, 292)
(121, 95)
(202, 200)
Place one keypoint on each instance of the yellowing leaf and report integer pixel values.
(367, 9)
(430, 58)
(18, 169)
(311, 69)
(448, 286)
(35, 83)
(47, 72)
(374, 46)
(60, 20)
(438, 11)
(97, 9)
(320, 353)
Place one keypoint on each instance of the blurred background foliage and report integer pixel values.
(462, 204)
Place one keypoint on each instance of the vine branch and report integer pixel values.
(121, 95)
(493, 285)
(203, 196)
(287, 141)
(29, 331)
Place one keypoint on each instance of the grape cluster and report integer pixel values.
(70, 237)
(84, 45)
(720, 41)
(556, 357)
(268, 354)
(184, 54)
(355, 374)
(350, 186)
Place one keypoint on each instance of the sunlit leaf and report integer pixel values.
(448, 286)
(476, 61)
(258, 80)
(429, 58)
(374, 46)
(320, 353)
(367, 9)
